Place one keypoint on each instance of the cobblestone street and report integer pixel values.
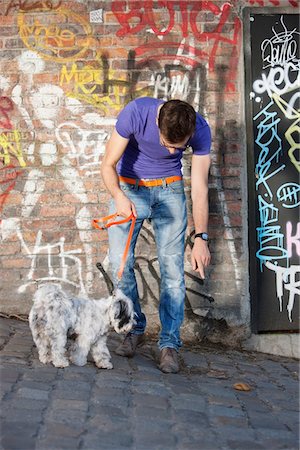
(135, 406)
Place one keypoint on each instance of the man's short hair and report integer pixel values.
(176, 120)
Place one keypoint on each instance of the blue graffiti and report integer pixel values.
(270, 237)
(266, 135)
(268, 213)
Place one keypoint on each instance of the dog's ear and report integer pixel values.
(118, 294)
(122, 313)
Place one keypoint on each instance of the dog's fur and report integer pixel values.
(55, 315)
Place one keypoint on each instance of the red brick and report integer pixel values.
(52, 78)
(231, 183)
(15, 263)
(14, 43)
(230, 171)
(50, 198)
(41, 224)
(69, 198)
(13, 199)
(57, 211)
(8, 20)
(9, 248)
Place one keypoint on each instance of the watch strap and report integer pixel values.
(203, 236)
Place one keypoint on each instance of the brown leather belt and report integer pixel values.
(151, 182)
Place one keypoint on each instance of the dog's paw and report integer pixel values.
(104, 365)
(44, 359)
(61, 362)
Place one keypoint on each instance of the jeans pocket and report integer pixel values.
(177, 187)
(127, 187)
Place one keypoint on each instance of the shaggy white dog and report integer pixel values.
(55, 315)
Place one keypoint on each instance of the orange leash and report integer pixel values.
(111, 222)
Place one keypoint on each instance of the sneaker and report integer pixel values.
(130, 344)
(169, 360)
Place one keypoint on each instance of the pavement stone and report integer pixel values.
(136, 407)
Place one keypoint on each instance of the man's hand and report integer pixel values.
(200, 256)
(124, 207)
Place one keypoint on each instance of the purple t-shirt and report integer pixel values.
(144, 156)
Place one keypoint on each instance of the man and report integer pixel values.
(141, 169)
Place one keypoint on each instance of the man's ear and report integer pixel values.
(158, 109)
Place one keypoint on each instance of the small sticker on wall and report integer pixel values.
(96, 16)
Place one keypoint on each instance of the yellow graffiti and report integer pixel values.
(87, 84)
(81, 78)
(10, 145)
(293, 130)
(57, 42)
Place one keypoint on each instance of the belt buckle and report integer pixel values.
(156, 181)
(151, 181)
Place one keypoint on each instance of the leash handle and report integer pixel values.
(110, 222)
(124, 257)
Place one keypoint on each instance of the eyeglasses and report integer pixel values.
(174, 147)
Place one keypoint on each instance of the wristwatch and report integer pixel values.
(203, 236)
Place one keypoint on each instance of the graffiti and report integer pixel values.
(276, 120)
(269, 236)
(280, 55)
(56, 146)
(84, 146)
(171, 86)
(279, 80)
(10, 146)
(98, 87)
(294, 3)
(289, 195)
(6, 106)
(67, 39)
(143, 13)
(270, 240)
(61, 265)
(94, 86)
(292, 133)
(292, 240)
(29, 5)
(267, 134)
(286, 279)
(8, 178)
(281, 49)
(176, 81)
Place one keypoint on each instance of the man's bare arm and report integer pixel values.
(115, 148)
(199, 179)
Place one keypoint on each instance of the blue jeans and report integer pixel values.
(165, 206)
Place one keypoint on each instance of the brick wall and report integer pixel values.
(67, 69)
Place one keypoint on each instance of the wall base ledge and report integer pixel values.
(274, 344)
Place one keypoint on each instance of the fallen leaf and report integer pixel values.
(242, 387)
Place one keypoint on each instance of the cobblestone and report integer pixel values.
(136, 407)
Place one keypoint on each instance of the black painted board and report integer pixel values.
(273, 96)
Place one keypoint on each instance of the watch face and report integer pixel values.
(205, 236)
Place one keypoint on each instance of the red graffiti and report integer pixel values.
(8, 178)
(187, 52)
(294, 3)
(6, 105)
